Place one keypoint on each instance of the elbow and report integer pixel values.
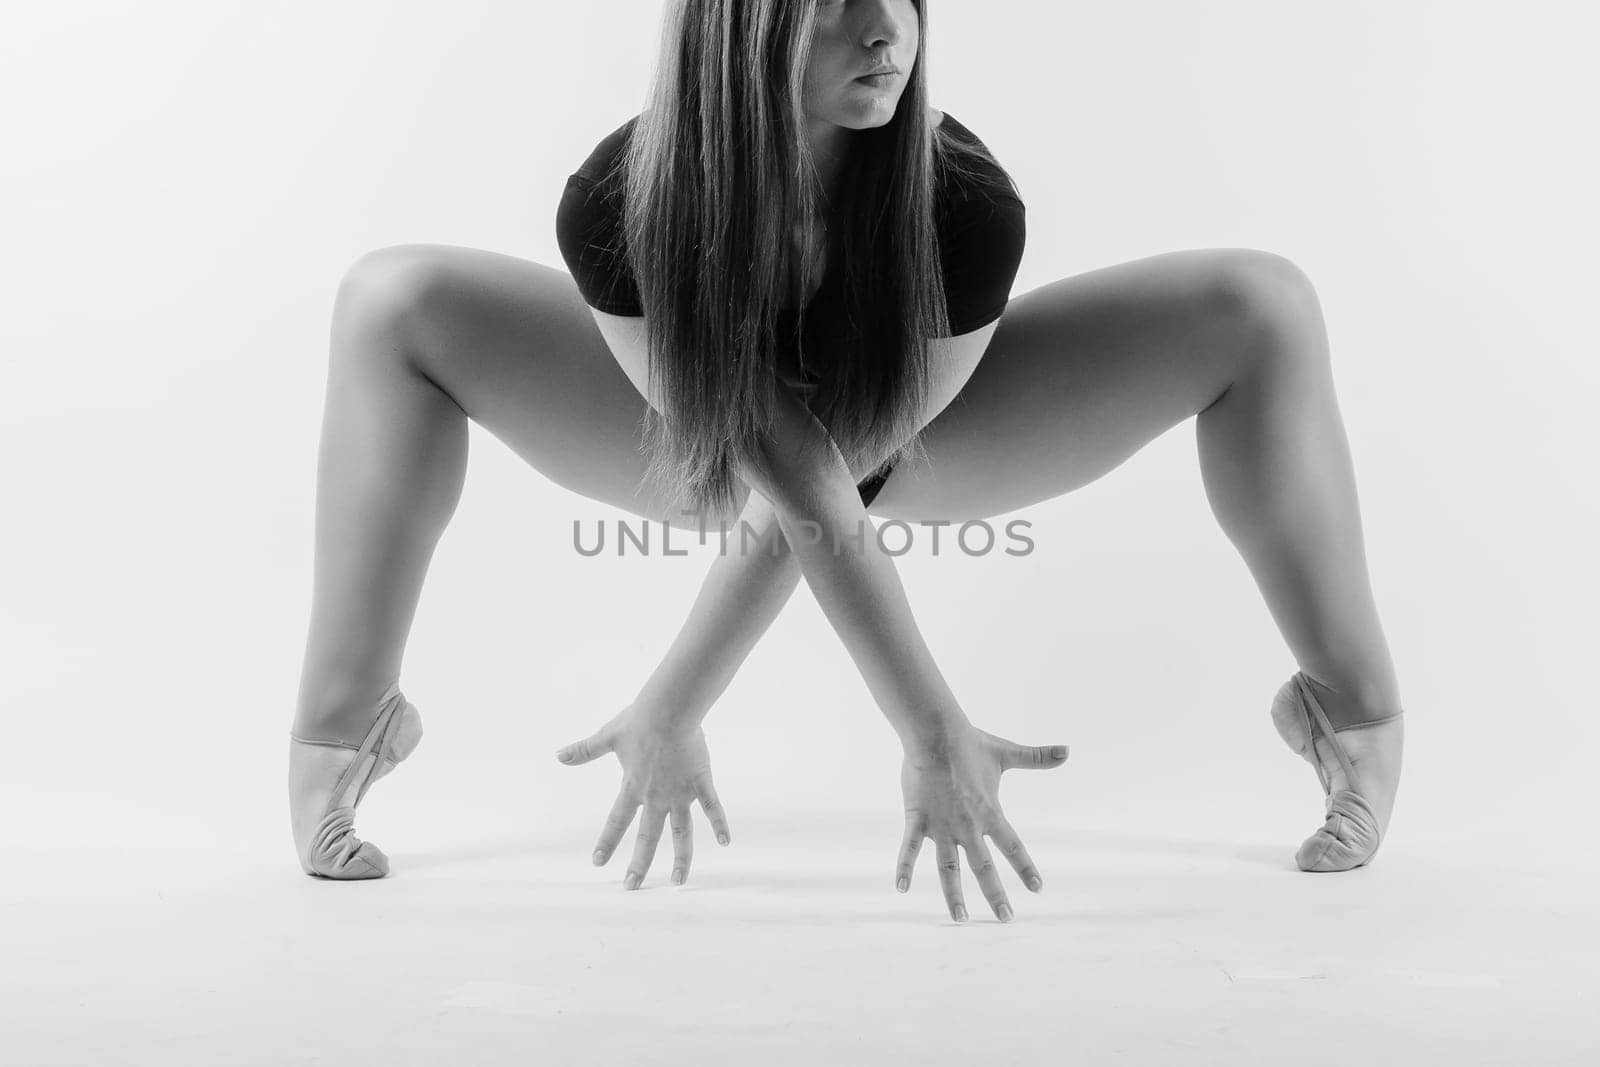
(793, 481)
(796, 463)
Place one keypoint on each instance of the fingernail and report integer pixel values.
(1004, 912)
(961, 914)
(632, 881)
(722, 839)
(1035, 883)
(1058, 751)
(561, 754)
(677, 877)
(903, 884)
(599, 857)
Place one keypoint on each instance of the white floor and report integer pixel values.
(1151, 944)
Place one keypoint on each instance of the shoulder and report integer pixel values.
(591, 205)
(589, 227)
(968, 172)
(600, 164)
(982, 229)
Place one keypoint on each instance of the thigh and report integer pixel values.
(512, 342)
(1080, 374)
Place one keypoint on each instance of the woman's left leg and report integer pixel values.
(1083, 372)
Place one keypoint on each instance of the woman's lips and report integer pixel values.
(878, 81)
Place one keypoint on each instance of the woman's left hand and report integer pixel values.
(952, 794)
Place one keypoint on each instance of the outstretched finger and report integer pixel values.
(590, 748)
(712, 806)
(617, 823)
(988, 876)
(1031, 757)
(644, 846)
(950, 877)
(910, 845)
(1010, 846)
(682, 842)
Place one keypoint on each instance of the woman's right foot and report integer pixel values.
(1358, 765)
(327, 780)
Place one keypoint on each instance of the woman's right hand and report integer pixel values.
(665, 767)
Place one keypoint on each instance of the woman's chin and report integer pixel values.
(870, 114)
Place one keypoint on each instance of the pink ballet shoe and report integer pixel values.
(327, 780)
(1351, 834)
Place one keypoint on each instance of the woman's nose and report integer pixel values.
(883, 26)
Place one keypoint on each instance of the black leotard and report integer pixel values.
(981, 234)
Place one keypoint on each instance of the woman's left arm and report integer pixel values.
(802, 472)
(951, 771)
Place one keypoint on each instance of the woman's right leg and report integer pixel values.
(424, 337)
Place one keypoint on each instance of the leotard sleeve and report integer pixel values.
(590, 235)
(981, 248)
(589, 227)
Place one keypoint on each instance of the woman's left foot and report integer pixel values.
(1359, 767)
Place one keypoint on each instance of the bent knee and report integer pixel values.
(388, 291)
(1262, 287)
(1273, 302)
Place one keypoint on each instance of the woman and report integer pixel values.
(794, 273)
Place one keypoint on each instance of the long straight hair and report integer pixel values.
(718, 172)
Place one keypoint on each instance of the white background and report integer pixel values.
(183, 186)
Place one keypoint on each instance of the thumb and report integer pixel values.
(1032, 757)
(590, 748)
